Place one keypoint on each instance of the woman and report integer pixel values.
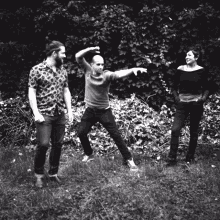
(190, 91)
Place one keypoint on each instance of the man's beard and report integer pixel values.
(59, 62)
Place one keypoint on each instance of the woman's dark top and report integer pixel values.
(190, 84)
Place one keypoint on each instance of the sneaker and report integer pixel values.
(55, 178)
(130, 163)
(190, 161)
(39, 180)
(87, 158)
(171, 162)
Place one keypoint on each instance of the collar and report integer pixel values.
(45, 64)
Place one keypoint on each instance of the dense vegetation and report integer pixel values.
(128, 34)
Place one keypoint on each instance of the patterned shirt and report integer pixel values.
(49, 87)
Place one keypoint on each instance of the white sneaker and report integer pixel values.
(132, 165)
(87, 158)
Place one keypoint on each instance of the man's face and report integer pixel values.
(98, 64)
(60, 56)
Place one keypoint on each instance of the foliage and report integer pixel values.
(16, 123)
(129, 34)
(210, 125)
(143, 129)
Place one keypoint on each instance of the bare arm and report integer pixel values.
(82, 53)
(127, 72)
(33, 103)
(67, 99)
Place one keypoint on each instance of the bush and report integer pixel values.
(143, 129)
(16, 122)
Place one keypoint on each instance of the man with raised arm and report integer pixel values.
(97, 83)
(48, 95)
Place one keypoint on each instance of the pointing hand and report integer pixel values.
(139, 69)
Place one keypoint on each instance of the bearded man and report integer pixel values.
(48, 95)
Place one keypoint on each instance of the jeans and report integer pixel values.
(106, 118)
(53, 128)
(195, 109)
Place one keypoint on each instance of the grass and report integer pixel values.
(104, 189)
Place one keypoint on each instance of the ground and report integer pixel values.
(105, 189)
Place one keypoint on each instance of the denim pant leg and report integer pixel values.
(43, 140)
(181, 114)
(87, 121)
(108, 121)
(57, 135)
(196, 111)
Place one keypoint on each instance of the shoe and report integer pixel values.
(130, 163)
(190, 160)
(39, 182)
(171, 162)
(54, 178)
(87, 158)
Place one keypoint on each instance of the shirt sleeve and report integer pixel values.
(66, 83)
(110, 75)
(33, 78)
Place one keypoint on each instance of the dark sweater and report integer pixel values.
(193, 82)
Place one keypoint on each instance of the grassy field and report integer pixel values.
(104, 189)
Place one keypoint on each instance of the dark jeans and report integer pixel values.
(195, 110)
(53, 128)
(106, 118)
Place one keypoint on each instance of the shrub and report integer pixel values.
(143, 129)
(16, 122)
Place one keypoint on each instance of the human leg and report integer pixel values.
(87, 121)
(107, 119)
(196, 111)
(57, 135)
(179, 119)
(43, 139)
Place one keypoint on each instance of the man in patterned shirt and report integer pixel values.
(97, 83)
(48, 94)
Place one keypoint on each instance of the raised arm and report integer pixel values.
(123, 73)
(82, 53)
